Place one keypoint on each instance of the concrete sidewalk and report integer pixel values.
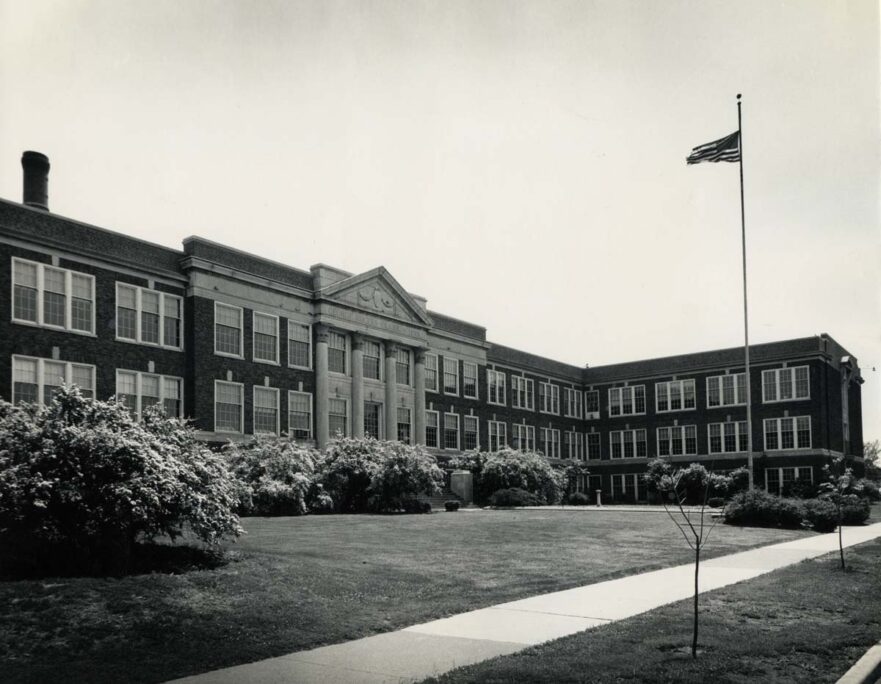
(432, 648)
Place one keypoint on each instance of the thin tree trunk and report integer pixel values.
(697, 565)
(840, 540)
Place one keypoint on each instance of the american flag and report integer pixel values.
(725, 149)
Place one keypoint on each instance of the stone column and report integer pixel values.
(419, 398)
(321, 386)
(357, 385)
(391, 392)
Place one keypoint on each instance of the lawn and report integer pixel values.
(808, 622)
(296, 583)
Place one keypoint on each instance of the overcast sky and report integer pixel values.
(521, 165)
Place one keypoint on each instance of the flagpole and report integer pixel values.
(749, 420)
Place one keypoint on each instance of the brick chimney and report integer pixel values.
(36, 180)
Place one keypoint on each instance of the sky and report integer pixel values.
(519, 164)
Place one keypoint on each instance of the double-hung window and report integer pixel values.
(300, 415)
(593, 444)
(451, 431)
(338, 417)
(140, 390)
(498, 437)
(371, 359)
(522, 393)
(148, 316)
(592, 404)
(265, 338)
(627, 401)
(785, 384)
(404, 424)
(373, 419)
(549, 398)
(469, 380)
(229, 406)
(432, 437)
(787, 433)
(679, 440)
(299, 345)
(53, 297)
(550, 442)
(471, 432)
(674, 395)
(431, 372)
(336, 352)
(727, 438)
(402, 366)
(573, 445)
(523, 437)
(36, 380)
(726, 390)
(495, 387)
(572, 402)
(451, 376)
(628, 443)
(227, 330)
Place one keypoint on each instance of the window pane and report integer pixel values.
(299, 343)
(81, 303)
(228, 407)
(769, 385)
(299, 415)
(265, 338)
(25, 385)
(149, 317)
(54, 299)
(265, 410)
(227, 330)
(171, 325)
(771, 441)
(25, 292)
(802, 384)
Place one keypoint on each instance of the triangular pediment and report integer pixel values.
(376, 291)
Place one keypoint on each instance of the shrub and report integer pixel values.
(760, 509)
(415, 506)
(869, 489)
(404, 471)
(82, 481)
(451, 506)
(854, 510)
(530, 471)
(821, 514)
(579, 499)
(715, 502)
(514, 497)
(800, 489)
(347, 469)
(739, 481)
(275, 475)
(319, 500)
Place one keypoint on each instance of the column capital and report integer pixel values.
(322, 332)
(419, 354)
(391, 347)
(357, 341)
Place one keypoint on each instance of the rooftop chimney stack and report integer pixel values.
(36, 180)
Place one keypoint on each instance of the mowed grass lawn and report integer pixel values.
(297, 583)
(808, 622)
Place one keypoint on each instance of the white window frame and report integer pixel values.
(620, 392)
(776, 372)
(270, 362)
(68, 297)
(779, 470)
(797, 445)
(591, 415)
(476, 431)
(682, 430)
(551, 441)
(380, 359)
(458, 432)
(347, 432)
(739, 390)
(634, 434)
(139, 391)
(311, 414)
(264, 388)
(347, 350)
(739, 444)
(572, 398)
(291, 324)
(493, 378)
(664, 389)
(241, 387)
(409, 354)
(139, 311)
(528, 391)
(436, 387)
(575, 448)
(409, 423)
(449, 393)
(438, 427)
(380, 419)
(599, 445)
(241, 354)
(465, 366)
(500, 428)
(549, 395)
(41, 380)
(521, 432)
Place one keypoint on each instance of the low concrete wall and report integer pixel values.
(462, 485)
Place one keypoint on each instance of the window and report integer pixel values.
(550, 442)
(371, 355)
(373, 419)
(495, 387)
(431, 429)
(629, 487)
(498, 436)
(140, 390)
(403, 425)
(172, 315)
(55, 297)
(150, 303)
(265, 410)
(573, 445)
(627, 401)
(549, 398)
(300, 415)
(228, 406)
(678, 440)
(572, 402)
(779, 480)
(299, 345)
(628, 444)
(522, 393)
(785, 384)
(469, 380)
(148, 317)
(451, 431)
(471, 432)
(675, 395)
(431, 372)
(787, 433)
(227, 330)
(726, 390)
(592, 404)
(265, 338)
(402, 366)
(338, 417)
(36, 380)
(451, 376)
(594, 445)
(523, 437)
(727, 438)
(336, 352)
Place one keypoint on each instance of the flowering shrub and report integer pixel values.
(275, 475)
(530, 471)
(514, 496)
(347, 469)
(82, 480)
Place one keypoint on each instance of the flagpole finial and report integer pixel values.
(738, 96)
